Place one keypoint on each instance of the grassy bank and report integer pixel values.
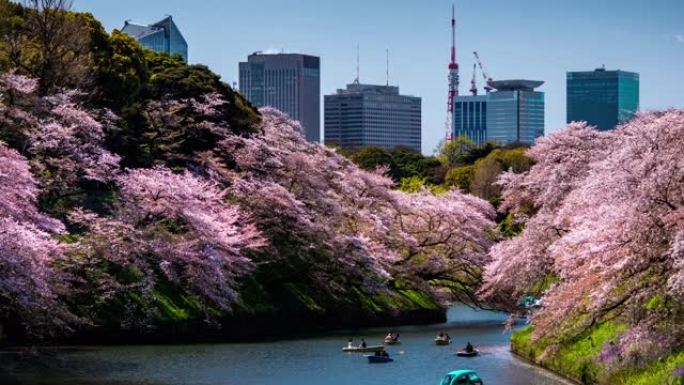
(578, 359)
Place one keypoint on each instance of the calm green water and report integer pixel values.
(315, 360)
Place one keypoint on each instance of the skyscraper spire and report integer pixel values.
(387, 67)
(356, 81)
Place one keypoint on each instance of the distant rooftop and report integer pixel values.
(139, 30)
(600, 73)
(261, 53)
(358, 88)
(515, 85)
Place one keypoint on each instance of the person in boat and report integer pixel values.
(378, 354)
(350, 343)
(447, 337)
(396, 337)
(441, 335)
(363, 343)
(390, 336)
(469, 348)
(384, 354)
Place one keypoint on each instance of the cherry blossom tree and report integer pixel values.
(364, 228)
(210, 207)
(605, 219)
(177, 226)
(450, 235)
(29, 279)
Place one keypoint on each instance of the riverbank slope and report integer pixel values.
(584, 360)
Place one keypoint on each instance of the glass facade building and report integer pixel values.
(601, 98)
(372, 115)
(470, 118)
(289, 82)
(162, 36)
(515, 112)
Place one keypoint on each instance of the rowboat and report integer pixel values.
(463, 353)
(392, 342)
(367, 349)
(378, 359)
(442, 341)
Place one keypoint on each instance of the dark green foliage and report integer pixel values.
(120, 71)
(462, 151)
(403, 162)
(12, 25)
(372, 157)
(486, 171)
(172, 77)
(146, 139)
(508, 227)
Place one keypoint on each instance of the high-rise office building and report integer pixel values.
(288, 82)
(162, 36)
(470, 118)
(372, 115)
(602, 98)
(515, 112)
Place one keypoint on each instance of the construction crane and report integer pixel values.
(488, 79)
(473, 81)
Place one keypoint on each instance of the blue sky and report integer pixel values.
(534, 39)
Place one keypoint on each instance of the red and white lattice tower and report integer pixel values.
(453, 77)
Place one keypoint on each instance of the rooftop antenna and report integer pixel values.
(387, 67)
(356, 81)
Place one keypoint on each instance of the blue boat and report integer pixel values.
(379, 359)
(461, 377)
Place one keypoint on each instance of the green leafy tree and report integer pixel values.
(371, 157)
(463, 151)
(412, 184)
(171, 76)
(121, 71)
(12, 26)
(486, 171)
(452, 153)
(403, 162)
(51, 44)
(460, 177)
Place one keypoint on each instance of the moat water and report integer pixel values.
(314, 360)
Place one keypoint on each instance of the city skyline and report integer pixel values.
(638, 36)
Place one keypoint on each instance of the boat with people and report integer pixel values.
(379, 358)
(463, 353)
(362, 347)
(461, 377)
(442, 339)
(367, 349)
(392, 339)
(468, 351)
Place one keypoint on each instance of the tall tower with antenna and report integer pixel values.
(453, 76)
